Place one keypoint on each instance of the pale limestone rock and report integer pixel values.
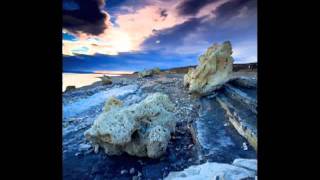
(148, 73)
(250, 164)
(142, 129)
(212, 170)
(213, 71)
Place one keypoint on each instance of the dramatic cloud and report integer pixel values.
(136, 31)
(192, 7)
(84, 16)
(128, 32)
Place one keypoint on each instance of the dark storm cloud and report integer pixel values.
(232, 8)
(164, 13)
(84, 16)
(173, 36)
(191, 7)
(234, 20)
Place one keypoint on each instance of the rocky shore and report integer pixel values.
(214, 137)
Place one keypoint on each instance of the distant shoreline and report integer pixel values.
(119, 73)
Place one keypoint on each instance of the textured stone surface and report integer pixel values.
(70, 88)
(213, 71)
(215, 171)
(142, 129)
(250, 164)
(112, 102)
(148, 73)
(106, 80)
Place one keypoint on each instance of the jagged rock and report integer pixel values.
(106, 80)
(213, 71)
(70, 88)
(148, 73)
(141, 129)
(212, 170)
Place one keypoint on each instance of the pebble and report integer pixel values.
(244, 146)
(140, 162)
(77, 154)
(190, 146)
(132, 171)
(225, 124)
(124, 171)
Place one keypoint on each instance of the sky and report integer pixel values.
(131, 35)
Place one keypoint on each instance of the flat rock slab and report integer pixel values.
(217, 138)
(213, 171)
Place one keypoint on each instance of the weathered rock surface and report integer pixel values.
(106, 80)
(211, 170)
(142, 129)
(148, 73)
(112, 102)
(70, 88)
(213, 71)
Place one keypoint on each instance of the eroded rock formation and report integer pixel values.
(148, 73)
(213, 71)
(142, 129)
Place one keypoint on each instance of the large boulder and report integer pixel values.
(148, 73)
(141, 129)
(212, 170)
(213, 71)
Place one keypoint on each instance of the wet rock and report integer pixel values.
(213, 71)
(141, 129)
(153, 171)
(212, 170)
(132, 171)
(124, 171)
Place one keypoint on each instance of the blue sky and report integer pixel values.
(132, 35)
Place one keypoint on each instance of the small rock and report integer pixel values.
(139, 174)
(132, 170)
(84, 147)
(124, 171)
(96, 149)
(190, 146)
(140, 162)
(190, 160)
(177, 148)
(244, 146)
(225, 124)
(77, 154)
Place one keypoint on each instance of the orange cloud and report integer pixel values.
(132, 29)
